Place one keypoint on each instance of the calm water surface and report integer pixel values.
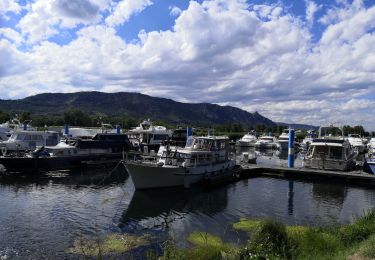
(43, 216)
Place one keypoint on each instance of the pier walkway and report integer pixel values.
(354, 177)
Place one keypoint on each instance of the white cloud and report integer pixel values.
(174, 11)
(255, 57)
(47, 17)
(11, 35)
(124, 9)
(9, 6)
(311, 9)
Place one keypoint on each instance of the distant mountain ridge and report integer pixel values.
(135, 105)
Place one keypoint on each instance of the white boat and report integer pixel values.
(89, 133)
(148, 136)
(330, 152)
(311, 134)
(356, 142)
(248, 140)
(70, 153)
(7, 128)
(371, 147)
(283, 140)
(266, 142)
(29, 140)
(202, 157)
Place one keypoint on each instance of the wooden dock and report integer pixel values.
(354, 177)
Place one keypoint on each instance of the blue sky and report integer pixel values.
(308, 61)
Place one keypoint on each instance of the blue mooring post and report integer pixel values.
(66, 129)
(291, 149)
(188, 132)
(118, 129)
(25, 126)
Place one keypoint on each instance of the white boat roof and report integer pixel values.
(212, 137)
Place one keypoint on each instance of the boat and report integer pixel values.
(148, 137)
(283, 140)
(369, 165)
(311, 134)
(201, 158)
(330, 151)
(9, 127)
(356, 142)
(248, 140)
(266, 142)
(371, 147)
(22, 140)
(70, 153)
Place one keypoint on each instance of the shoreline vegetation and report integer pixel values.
(267, 239)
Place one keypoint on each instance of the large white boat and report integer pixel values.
(330, 152)
(29, 140)
(148, 136)
(356, 142)
(266, 142)
(283, 140)
(248, 140)
(9, 127)
(311, 134)
(201, 157)
(70, 153)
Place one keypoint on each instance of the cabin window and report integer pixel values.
(27, 138)
(335, 153)
(160, 137)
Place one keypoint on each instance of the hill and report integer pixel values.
(135, 105)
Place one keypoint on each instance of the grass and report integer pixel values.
(110, 245)
(267, 240)
(273, 240)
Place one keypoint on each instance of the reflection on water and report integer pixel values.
(41, 217)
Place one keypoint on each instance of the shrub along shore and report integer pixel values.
(267, 240)
(273, 240)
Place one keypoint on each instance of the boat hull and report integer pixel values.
(326, 164)
(245, 143)
(54, 163)
(150, 175)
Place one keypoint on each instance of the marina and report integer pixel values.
(58, 208)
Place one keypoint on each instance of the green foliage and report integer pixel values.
(4, 117)
(360, 230)
(76, 117)
(25, 115)
(367, 248)
(269, 241)
(112, 244)
(358, 129)
(248, 225)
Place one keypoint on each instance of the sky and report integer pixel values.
(301, 61)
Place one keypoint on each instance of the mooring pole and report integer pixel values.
(66, 129)
(189, 132)
(291, 149)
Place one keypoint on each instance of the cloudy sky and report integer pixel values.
(305, 61)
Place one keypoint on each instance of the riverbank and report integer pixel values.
(273, 240)
(267, 240)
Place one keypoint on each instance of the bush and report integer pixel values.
(270, 241)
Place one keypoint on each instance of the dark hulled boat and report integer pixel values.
(70, 154)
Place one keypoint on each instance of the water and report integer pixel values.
(42, 217)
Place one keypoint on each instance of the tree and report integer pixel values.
(4, 117)
(76, 117)
(25, 115)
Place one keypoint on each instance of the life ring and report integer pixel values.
(4, 150)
